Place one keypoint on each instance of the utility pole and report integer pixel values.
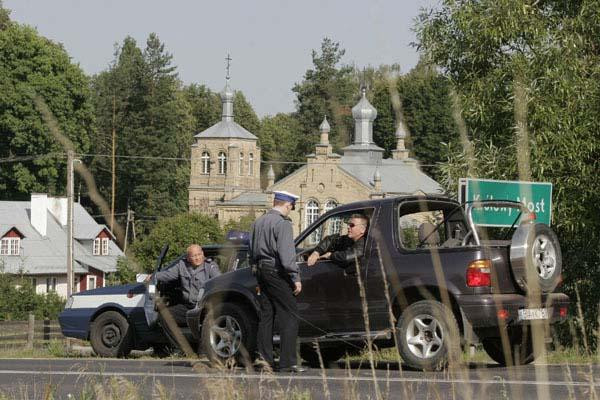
(70, 160)
(114, 165)
(126, 229)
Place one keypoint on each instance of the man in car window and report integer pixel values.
(343, 250)
(191, 273)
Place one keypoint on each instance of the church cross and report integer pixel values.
(228, 59)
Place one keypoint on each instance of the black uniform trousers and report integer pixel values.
(277, 300)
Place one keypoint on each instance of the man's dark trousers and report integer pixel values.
(276, 295)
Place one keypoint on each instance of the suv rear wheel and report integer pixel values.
(428, 335)
(229, 333)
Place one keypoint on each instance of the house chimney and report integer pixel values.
(58, 207)
(39, 212)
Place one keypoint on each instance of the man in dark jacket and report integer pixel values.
(273, 255)
(343, 250)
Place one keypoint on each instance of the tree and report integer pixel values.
(526, 77)
(178, 232)
(140, 97)
(4, 17)
(206, 106)
(244, 113)
(31, 65)
(278, 138)
(327, 90)
(423, 103)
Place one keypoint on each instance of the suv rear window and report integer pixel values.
(430, 224)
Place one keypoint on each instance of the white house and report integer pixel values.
(33, 242)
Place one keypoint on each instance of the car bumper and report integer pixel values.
(75, 322)
(483, 311)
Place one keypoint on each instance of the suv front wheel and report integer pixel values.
(229, 333)
(428, 335)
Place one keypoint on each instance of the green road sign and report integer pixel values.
(536, 196)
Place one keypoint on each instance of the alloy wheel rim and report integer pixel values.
(544, 256)
(225, 336)
(424, 336)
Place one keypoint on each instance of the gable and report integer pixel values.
(13, 232)
(104, 235)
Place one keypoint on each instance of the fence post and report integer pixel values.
(30, 330)
(46, 329)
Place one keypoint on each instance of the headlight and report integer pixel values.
(69, 303)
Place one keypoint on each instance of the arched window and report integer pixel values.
(241, 171)
(335, 226)
(222, 163)
(205, 163)
(250, 164)
(312, 213)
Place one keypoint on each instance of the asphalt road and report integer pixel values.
(181, 379)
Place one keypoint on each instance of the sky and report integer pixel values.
(270, 42)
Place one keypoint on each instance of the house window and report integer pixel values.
(91, 282)
(335, 226)
(96, 249)
(34, 283)
(241, 171)
(10, 246)
(222, 163)
(205, 163)
(50, 284)
(104, 246)
(250, 163)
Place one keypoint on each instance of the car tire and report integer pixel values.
(535, 254)
(521, 349)
(229, 333)
(428, 336)
(328, 354)
(111, 335)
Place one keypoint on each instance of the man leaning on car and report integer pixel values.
(343, 250)
(191, 272)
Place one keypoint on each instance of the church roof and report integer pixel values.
(226, 129)
(397, 176)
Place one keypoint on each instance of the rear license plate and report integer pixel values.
(533, 313)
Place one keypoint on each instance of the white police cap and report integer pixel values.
(285, 196)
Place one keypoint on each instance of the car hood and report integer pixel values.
(134, 288)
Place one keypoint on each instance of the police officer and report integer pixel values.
(273, 255)
(191, 273)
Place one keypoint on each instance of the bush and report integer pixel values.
(18, 299)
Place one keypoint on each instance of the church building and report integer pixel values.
(225, 176)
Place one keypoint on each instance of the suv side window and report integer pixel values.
(334, 225)
(430, 224)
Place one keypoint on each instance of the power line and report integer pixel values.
(134, 157)
(30, 157)
(262, 161)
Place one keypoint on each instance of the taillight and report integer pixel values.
(479, 273)
(562, 312)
